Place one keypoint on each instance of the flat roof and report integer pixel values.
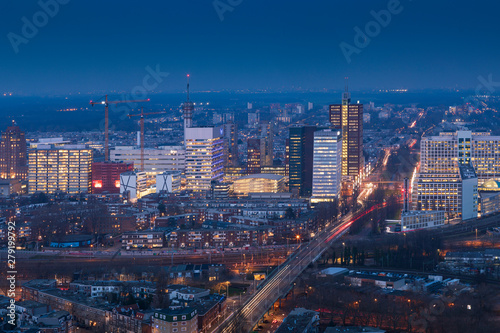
(374, 277)
(270, 176)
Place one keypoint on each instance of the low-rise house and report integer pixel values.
(182, 320)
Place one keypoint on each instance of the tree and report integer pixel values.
(161, 299)
(289, 213)
(162, 208)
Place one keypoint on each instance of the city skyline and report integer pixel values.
(237, 166)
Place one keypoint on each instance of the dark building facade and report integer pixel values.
(254, 156)
(231, 144)
(13, 154)
(106, 176)
(349, 118)
(300, 159)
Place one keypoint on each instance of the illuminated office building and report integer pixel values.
(137, 184)
(233, 173)
(255, 153)
(65, 168)
(454, 193)
(13, 154)
(231, 144)
(259, 183)
(446, 152)
(275, 169)
(327, 164)
(349, 118)
(164, 158)
(266, 136)
(168, 182)
(204, 157)
(300, 159)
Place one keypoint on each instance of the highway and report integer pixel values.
(281, 279)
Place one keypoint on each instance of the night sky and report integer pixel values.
(93, 46)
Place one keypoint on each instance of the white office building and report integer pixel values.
(204, 157)
(327, 165)
(454, 193)
(414, 220)
(444, 154)
(135, 185)
(164, 158)
(168, 182)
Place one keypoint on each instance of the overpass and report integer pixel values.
(281, 279)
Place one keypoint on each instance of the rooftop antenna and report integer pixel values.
(346, 84)
(188, 87)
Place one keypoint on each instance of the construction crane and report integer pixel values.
(106, 119)
(142, 114)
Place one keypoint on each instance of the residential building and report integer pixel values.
(65, 168)
(175, 320)
(143, 239)
(300, 320)
(204, 157)
(13, 154)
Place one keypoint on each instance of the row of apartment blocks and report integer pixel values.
(238, 231)
(192, 310)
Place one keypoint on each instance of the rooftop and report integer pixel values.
(467, 172)
(375, 277)
(269, 176)
(297, 321)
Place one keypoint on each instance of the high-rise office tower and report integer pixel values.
(349, 118)
(255, 151)
(327, 166)
(231, 144)
(13, 158)
(267, 139)
(65, 168)
(300, 159)
(204, 157)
